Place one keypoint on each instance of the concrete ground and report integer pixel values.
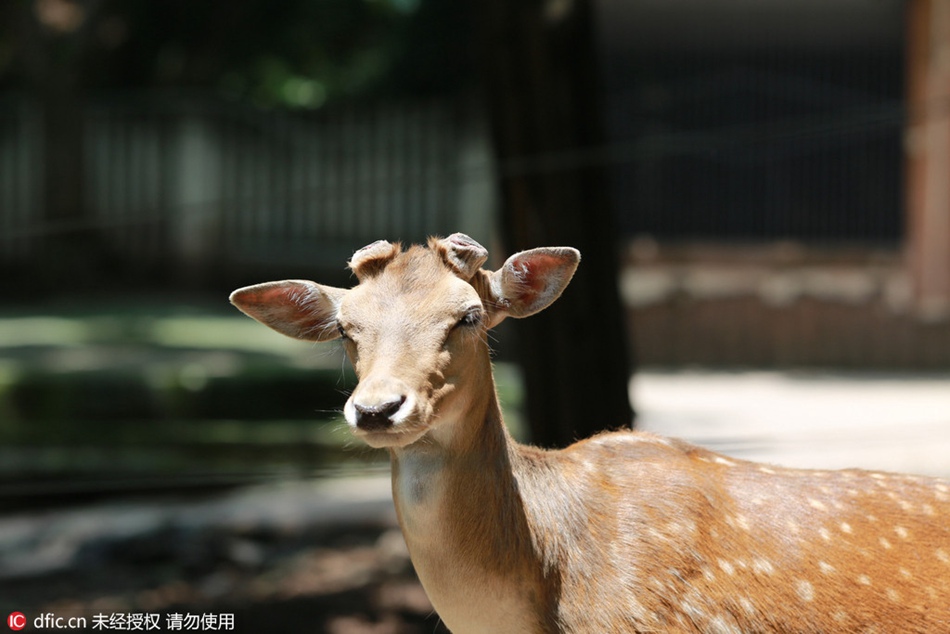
(893, 423)
(812, 420)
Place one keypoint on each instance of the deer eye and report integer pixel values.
(340, 329)
(472, 317)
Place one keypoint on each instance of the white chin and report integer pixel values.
(389, 439)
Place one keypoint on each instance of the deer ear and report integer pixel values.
(296, 308)
(530, 281)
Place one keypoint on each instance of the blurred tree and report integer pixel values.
(540, 70)
(292, 53)
(272, 53)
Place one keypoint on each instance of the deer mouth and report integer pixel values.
(394, 437)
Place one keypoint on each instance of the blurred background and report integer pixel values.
(759, 190)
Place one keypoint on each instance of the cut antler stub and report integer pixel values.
(463, 254)
(372, 258)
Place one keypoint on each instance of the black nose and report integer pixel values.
(377, 417)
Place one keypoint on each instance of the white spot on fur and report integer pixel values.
(864, 580)
(825, 567)
(719, 625)
(657, 535)
(724, 461)
(747, 605)
(893, 595)
(742, 522)
(928, 510)
(943, 556)
(901, 532)
(846, 528)
(817, 504)
(825, 534)
(767, 470)
(691, 609)
(763, 566)
(727, 567)
(906, 574)
(884, 543)
(806, 592)
(674, 528)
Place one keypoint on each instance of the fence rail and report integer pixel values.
(202, 183)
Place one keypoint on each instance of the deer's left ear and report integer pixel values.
(531, 280)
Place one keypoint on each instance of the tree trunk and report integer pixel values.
(540, 72)
(928, 157)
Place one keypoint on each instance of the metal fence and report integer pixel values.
(206, 183)
(20, 175)
(784, 146)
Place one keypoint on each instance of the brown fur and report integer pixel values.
(623, 532)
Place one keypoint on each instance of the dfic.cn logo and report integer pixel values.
(16, 621)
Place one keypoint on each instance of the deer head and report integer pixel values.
(415, 326)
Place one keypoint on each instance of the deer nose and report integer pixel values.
(377, 416)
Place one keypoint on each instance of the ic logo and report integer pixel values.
(16, 621)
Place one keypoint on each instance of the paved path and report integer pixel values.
(892, 423)
(53, 540)
(815, 421)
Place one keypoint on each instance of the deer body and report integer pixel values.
(623, 532)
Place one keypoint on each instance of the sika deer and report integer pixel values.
(623, 532)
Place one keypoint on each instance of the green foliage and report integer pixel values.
(161, 389)
(291, 53)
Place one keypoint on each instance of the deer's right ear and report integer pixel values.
(296, 308)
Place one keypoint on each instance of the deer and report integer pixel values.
(624, 531)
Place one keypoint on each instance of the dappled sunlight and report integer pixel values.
(90, 396)
(233, 333)
(42, 331)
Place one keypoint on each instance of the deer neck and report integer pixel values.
(464, 520)
(463, 463)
